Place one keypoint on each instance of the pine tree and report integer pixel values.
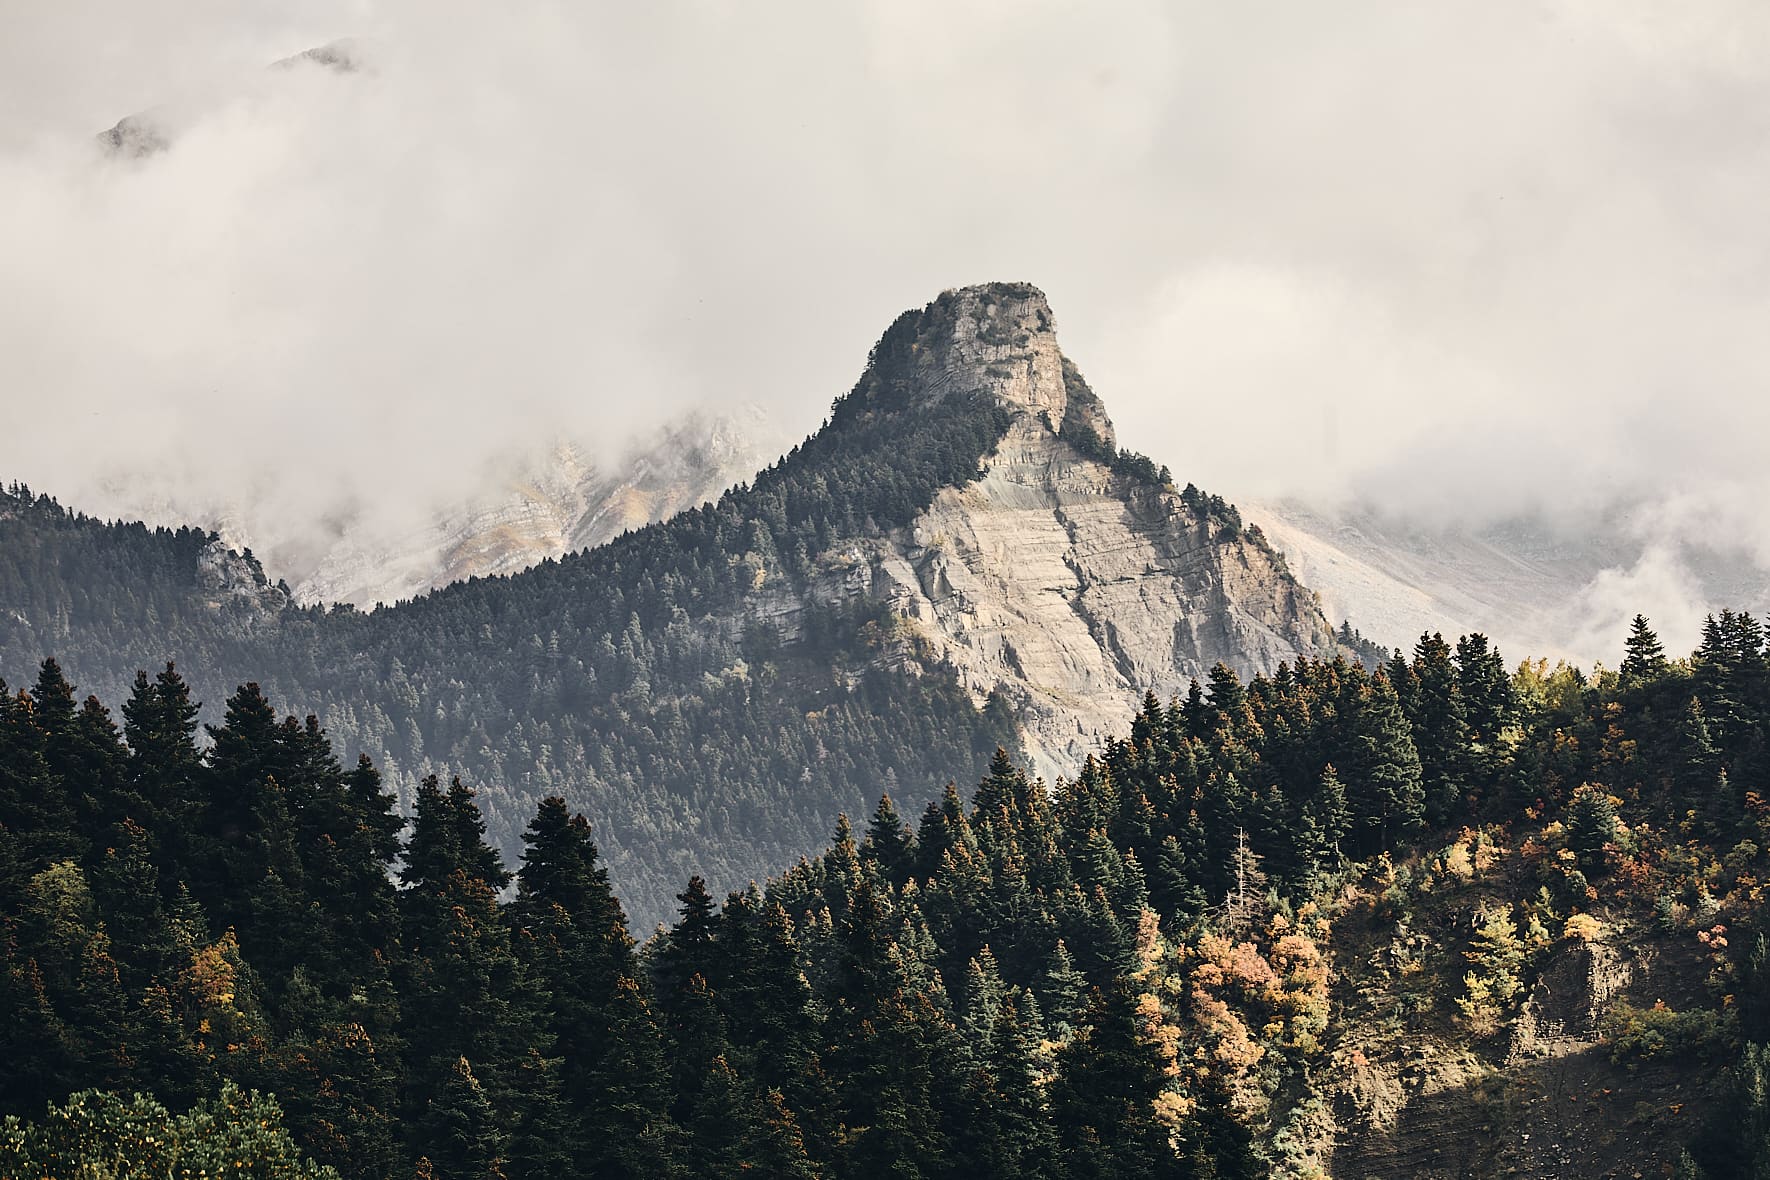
(1195, 713)
(1007, 1129)
(1645, 659)
(1174, 890)
(737, 1131)
(767, 1004)
(943, 829)
(1441, 728)
(1103, 1101)
(1064, 990)
(1331, 816)
(102, 799)
(1592, 827)
(470, 1013)
(687, 951)
(1004, 788)
(889, 844)
(465, 1136)
(1496, 957)
(984, 997)
(1385, 791)
(1226, 694)
(615, 1088)
(160, 725)
(54, 717)
(34, 813)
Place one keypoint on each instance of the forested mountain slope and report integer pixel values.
(1429, 921)
(960, 559)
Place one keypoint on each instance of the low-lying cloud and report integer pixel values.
(1467, 259)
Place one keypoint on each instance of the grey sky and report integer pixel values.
(1467, 257)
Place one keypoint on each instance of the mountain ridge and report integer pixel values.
(717, 687)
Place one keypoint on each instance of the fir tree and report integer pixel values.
(1441, 728)
(1385, 790)
(160, 725)
(1645, 659)
(614, 1085)
(1103, 1100)
(889, 844)
(469, 1016)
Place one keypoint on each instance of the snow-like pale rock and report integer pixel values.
(1065, 587)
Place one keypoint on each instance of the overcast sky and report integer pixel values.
(1466, 257)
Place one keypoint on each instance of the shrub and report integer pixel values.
(101, 1134)
(1583, 928)
(1642, 1034)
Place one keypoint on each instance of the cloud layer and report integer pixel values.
(1465, 258)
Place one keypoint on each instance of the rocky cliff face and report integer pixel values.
(1065, 584)
(225, 576)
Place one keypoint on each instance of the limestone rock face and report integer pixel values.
(1070, 591)
(999, 338)
(1063, 585)
(225, 576)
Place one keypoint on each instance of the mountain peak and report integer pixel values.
(994, 339)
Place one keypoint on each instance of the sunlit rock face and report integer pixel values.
(1064, 586)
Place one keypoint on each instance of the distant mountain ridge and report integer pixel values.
(1534, 586)
(558, 500)
(959, 559)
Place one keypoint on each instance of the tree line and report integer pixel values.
(1118, 977)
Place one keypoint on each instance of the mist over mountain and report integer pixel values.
(422, 432)
(1560, 586)
(500, 520)
(1450, 262)
(961, 558)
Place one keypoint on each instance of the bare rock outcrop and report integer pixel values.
(1062, 584)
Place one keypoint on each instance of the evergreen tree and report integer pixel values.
(1440, 726)
(687, 951)
(469, 1011)
(1645, 661)
(1496, 957)
(34, 812)
(1592, 827)
(1007, 1130)
(1104, 1098)
(56, 721)
(1225, 693)
(615, 1088)
(889, 844)
(160, 725)
(1385, 792)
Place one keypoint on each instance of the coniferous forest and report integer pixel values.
(624, 671)
(226, 950)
